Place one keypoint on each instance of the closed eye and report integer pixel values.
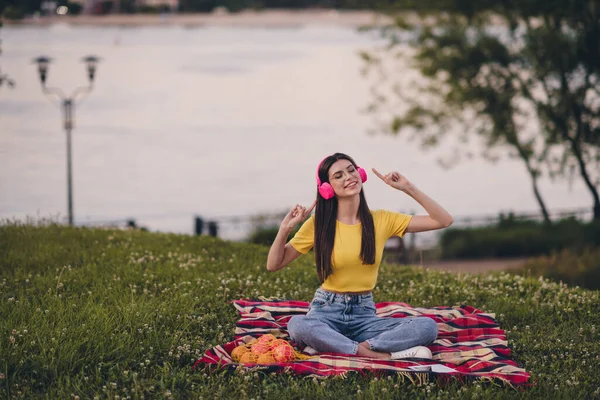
(339, 174)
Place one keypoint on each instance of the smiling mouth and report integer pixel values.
(351, 185)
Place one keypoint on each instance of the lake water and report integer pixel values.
(215, 122)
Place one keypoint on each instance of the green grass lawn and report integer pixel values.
(93, 313)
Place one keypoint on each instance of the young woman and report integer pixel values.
(348, 242)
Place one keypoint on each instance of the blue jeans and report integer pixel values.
(337, 323)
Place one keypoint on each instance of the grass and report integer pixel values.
(91, 313)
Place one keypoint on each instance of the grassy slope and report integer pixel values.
(88, 312)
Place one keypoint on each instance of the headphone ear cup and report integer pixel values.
(326, 191)
(363, 174)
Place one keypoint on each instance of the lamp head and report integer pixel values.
(42, 63)
(91, 63)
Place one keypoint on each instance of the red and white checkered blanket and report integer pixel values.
(470, 343)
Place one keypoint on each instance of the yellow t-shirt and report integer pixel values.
(349, 273)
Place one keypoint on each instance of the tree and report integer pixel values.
(523, 76)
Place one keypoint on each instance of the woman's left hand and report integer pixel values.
(394, 179)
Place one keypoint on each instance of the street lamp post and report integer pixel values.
(68, 107)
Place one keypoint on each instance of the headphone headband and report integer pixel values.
(318, 168)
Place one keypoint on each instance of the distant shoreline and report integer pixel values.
(267, 18)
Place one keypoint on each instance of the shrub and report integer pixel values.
(103, 7)
(571, 267)
(13, 13)
(158, 9)
(265, 235)
(512, 238)
(74, 8)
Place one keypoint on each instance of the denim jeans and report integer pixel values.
(337, 323)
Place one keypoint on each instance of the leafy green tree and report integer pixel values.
(522, 77)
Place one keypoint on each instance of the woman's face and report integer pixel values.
(344, 178)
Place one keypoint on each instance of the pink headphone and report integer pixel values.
(325, 189)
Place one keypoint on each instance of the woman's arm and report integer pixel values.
(280, 253)
(438, 217)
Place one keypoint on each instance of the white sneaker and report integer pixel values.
(413, 352)
(310, 351)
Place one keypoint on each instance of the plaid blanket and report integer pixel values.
(470, 343)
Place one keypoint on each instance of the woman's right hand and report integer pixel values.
(296, 215)
(280, 253)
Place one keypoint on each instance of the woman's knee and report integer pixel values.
(296, 326)
(430, 329)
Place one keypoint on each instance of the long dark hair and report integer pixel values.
(325, 220)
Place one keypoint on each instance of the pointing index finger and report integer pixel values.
(311, 207)
(378, 174)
